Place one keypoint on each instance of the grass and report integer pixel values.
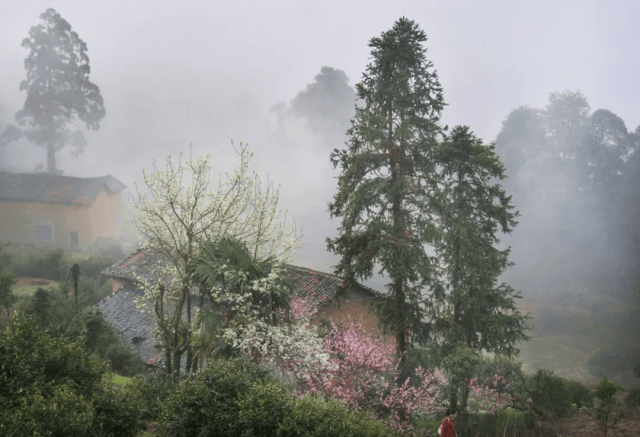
(121, 380)
(26, 288)
(117, 379)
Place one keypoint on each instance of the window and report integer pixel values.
(43, 233)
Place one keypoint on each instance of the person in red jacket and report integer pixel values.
(447, 424)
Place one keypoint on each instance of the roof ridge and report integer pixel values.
(313, 270)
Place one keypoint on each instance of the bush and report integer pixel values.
(549, 392)
(106, 248)
(154, 388)
(633, 398)
(117, 410)
(7, 298)
(311, 416)
(511, 421)
(263, 408)
(605, 392)
(476, 424)
(49, 410)
(92, 285)
(509, 368)
(579, 395)
(612, 362)
(50, 310)
(29, 356)
(102, 339)
(208, 403)
(46, 265)
(44, 382)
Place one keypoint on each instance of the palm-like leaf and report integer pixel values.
(207, 271)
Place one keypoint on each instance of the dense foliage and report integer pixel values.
(52, 385)
(237, 397)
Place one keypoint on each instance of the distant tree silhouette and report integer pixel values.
(58, 89)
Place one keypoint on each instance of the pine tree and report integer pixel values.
(58, 89)
(472, 209)
(387, 177)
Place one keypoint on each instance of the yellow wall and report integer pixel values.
(18, 220)
(103, 216)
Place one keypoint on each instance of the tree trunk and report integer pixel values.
(189, 350)
(51, 158)
(168, 363)
(465, 394)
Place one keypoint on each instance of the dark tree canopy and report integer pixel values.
(58, 88)
(605, 145)
(522, 137)
(328, 103)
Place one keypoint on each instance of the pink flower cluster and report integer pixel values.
(357, 361)
(490, 395)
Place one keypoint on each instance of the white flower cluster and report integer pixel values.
(175, 221)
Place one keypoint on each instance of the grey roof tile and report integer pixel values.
(44, 187)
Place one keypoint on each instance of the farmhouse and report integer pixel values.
(136, 328)
(48, 210)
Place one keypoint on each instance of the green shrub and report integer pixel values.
(45, 382)
(154, 388)
(7, 298)
(29, 356)
(476, 424)
(263, 408)
(579, 394)
(548, 391)
(207, 404)
(46, 265)
(311, 416)
(102, 339)
(633, 398)
(92, 285)
(511, 421)
(424, 423)
(117, 410)
(605, 392)
(46, 410)
(612, 362)
(106, 248)
(50, 310)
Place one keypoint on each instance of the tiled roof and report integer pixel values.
(120, 310)
(319, 287)
(136, 328)
(44, 187)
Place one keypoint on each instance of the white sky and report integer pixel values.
(204, 72)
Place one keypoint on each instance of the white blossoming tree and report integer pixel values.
(176, 223)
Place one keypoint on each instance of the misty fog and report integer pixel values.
(192, 76)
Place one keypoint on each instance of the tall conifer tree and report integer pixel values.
(472, 210)
(388, 175)
(58, 88)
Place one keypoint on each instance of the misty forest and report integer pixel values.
(347, 260)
